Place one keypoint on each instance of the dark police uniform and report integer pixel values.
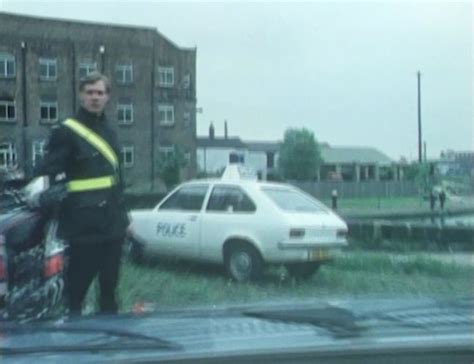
(92, 218)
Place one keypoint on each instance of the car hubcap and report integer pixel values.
(241, 264)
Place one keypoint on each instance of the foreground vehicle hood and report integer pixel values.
(355, 330)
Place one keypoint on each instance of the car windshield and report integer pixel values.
(290, 200)
(219, 154)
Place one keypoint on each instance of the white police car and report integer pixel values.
(241, 223)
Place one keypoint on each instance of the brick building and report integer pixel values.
(153, 100)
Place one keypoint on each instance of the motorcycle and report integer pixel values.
(32, 258)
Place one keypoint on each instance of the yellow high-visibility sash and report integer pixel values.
(93, 139)
(103, 147)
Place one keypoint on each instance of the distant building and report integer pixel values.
(456, 163)
(357, 164)
(339, 163)
(153, 101)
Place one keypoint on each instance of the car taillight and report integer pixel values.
(342, 233)
(296, 233)
(53, 265)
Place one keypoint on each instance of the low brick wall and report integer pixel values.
(387, 234)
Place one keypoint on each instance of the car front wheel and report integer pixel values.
(243, 262)
(302, 270)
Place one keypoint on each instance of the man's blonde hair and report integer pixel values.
(94, 77)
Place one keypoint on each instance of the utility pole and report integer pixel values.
(27, 167)
(420, 153)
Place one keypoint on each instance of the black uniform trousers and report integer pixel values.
(86, 261)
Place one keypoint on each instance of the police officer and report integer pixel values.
(442, 198)
(92, 216)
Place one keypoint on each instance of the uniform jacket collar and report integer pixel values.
(89, 118)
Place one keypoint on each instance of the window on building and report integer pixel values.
(86, 68)
(166, 152)
(128, 156)
(124, 73)
(48, 69)
(186, 118)
(48, 111)
(7, 65)
(236, 157)
(166, 114)
(7, 110)
(125, 113)
(186, 81)
(230, 199)
(187, 158)
(7, 155)
(39, 147)
(166, 76)
(270, 159)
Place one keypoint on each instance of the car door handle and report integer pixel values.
(192, 218)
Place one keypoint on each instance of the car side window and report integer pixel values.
(187, 198)
(230, 199)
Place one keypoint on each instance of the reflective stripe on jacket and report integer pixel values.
(96, 141)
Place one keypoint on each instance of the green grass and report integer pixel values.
(355, 274)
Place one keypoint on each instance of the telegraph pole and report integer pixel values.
(420, 153)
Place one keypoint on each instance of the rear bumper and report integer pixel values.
(293, 252)
(322, 245)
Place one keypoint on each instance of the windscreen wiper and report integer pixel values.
(340, 322)
(137, 341)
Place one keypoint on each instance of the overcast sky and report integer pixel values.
(345, 70)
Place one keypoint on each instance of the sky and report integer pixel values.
(347, 71)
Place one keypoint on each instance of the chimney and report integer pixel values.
(211, 131)
(225, 130)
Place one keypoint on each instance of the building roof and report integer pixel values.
(86, 25)
(230, 142)
(330, 154)
(264, 146)
(361, 155)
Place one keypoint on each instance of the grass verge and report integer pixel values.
(354, 274)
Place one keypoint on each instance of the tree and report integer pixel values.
(169, 167)
(300, 156)
(423, 174)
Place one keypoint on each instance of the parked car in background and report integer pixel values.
(241, 223)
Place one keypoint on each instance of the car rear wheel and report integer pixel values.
(243, 262)
(302, 270)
